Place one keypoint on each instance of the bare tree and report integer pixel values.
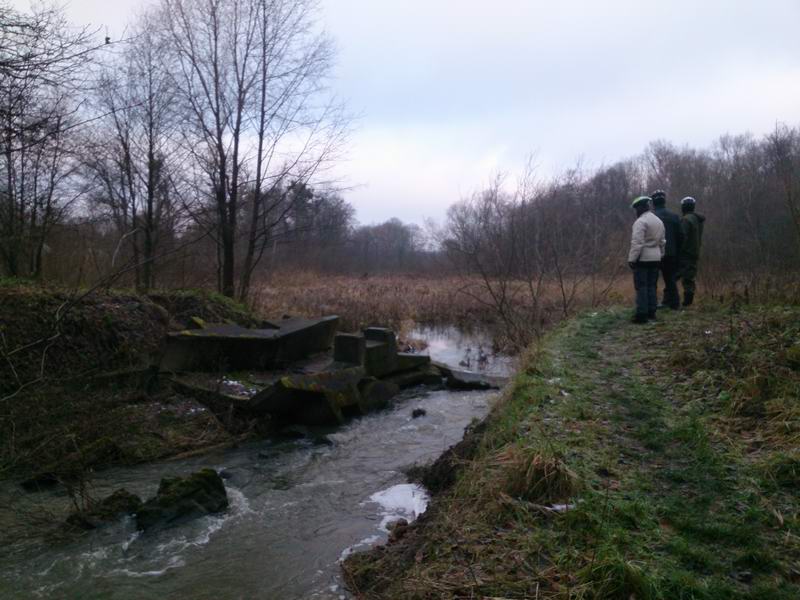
(500, 239)
(132, 157)
(783, 147)
(42, 64)
(250, 74)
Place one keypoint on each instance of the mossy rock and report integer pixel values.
(111, 508)
(182, 498)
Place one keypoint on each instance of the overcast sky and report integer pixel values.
(450, 92)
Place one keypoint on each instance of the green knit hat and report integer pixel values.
(639, 199)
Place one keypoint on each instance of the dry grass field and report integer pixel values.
(401, 301)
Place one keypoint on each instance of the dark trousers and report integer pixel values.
(688, 273)
(645, 280)
(669, 273)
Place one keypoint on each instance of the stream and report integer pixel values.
(296, 508)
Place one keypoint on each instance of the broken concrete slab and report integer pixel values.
(465, 380)
(407, 361)
(381, 334)
(375, 348)
(363, 374)
(349, 348)
(381, 351)
(231, 410)
(468, 380)
(380, 358)
(376, 394)
(427, 375)
(223, 347)
(321, 399)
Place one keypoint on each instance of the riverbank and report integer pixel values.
(76, 386)
(653, 462)
(298, 504)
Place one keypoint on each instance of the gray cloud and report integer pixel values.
(450, 91)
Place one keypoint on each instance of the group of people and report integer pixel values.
(662, 242)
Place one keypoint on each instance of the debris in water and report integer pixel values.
(237, 388)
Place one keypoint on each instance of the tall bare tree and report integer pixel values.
(783, 148)
(250, 74)
(42, 67)
(132, 156)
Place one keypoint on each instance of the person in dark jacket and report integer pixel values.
(692, 228)
(669, 264)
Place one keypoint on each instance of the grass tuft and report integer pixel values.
(528, 475)
(611, 577)
(783, 469)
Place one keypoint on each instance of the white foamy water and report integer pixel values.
(402, 501)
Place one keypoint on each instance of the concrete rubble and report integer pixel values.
(284, 371)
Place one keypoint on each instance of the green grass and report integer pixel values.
(668, 499)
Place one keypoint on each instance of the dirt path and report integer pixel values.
(616, 468)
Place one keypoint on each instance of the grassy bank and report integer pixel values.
(75, 389)
(654, 462)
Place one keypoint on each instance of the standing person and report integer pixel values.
(647, 249)
(669, 263)
(692, 227)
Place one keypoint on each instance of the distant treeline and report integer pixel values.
(575, 227)
(194, 153)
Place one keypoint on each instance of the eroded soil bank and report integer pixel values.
(75, 386)
(647, 462)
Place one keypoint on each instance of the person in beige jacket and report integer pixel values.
(648, 244)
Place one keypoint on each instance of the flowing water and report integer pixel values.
(296, 507)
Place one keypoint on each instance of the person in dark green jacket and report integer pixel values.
(692, 228)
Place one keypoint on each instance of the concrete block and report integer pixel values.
(349, 348)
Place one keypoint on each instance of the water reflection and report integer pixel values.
(470, 351)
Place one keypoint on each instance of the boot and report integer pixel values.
(688, 298)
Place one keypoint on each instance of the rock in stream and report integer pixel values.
(182, 498)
